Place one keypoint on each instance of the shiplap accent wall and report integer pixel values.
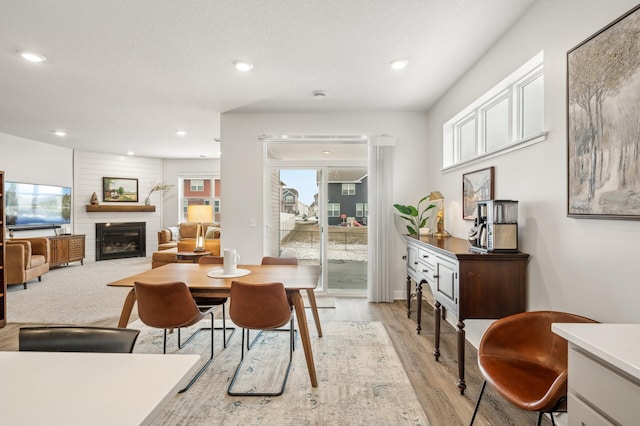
(88, 170)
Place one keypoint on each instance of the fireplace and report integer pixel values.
(120, 240)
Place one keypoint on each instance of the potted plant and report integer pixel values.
(415, 215)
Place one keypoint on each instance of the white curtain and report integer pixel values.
(380, 221)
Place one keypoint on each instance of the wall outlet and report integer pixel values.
(252, 222)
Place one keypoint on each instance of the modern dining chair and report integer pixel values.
(525, 362)
(260, 307)
(216, 301)
(171, 305)
(77, 339)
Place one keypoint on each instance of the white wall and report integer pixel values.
(242, 174)
(89, 169)
(26, 160)
(172, 171)
(581, 266)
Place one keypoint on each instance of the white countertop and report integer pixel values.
(73, 388)
(616, 344)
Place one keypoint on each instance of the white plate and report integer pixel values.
(219, 273)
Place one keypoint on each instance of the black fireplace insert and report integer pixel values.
(120, 240)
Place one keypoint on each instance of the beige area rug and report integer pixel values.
(361, 380)
(74, 294)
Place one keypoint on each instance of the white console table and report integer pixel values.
(604, 373)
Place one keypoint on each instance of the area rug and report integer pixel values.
(361, 380)
(74, 294)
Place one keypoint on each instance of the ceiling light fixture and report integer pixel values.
(181, 132)
(319, 94)
(326, 152)
(131, 153)
(398, 64)
(242, 66)
(60, 133)
(33, 57)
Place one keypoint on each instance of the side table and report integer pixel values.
(192, 255)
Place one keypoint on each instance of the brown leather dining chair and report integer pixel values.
(77, 339)
(168, 306)
(260, 307)
(216, 301)
(525, 362)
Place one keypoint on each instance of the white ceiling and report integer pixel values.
(125, 75)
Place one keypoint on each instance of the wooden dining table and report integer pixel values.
(295, 278)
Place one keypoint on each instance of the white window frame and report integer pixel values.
(331, 212)
(359, 209)
(196, 185)
(348, 189)
(510, 88)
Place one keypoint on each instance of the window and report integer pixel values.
(288, 198)
(216, 206)
(359, 209)
(348, 189)
(196, 185)
(334, 209)
(507, 116)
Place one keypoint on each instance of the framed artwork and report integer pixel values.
(603, 153)
(122, 190)
(476, 186)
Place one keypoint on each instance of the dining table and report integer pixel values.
(89, 388)
(204, 282)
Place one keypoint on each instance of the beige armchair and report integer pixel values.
(26, 259)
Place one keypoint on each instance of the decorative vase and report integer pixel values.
(147, 201)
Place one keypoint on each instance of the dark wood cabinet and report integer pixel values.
(66, 249)
(467, 284)
(3, 272)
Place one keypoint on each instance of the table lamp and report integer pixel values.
(199, 214)
(437, 196)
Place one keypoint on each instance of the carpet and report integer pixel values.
(74, 294)
(360, 380)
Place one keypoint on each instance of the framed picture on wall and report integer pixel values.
(476, 186)
(123, 190)
(603, 153)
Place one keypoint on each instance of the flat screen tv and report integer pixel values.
(31, 206)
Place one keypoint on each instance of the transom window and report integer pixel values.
(348, 189)
(508, 115)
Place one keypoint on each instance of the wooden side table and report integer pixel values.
(192, 255)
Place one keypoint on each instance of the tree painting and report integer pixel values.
(604, 122)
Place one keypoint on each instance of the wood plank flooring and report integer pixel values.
(434, 382)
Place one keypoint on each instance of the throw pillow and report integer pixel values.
(175, 233)
(212, 233)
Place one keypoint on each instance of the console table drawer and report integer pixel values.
(602, 387)
(427, 257)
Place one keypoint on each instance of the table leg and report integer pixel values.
(436, 317)
(127, 308)
(419, 305)
(296, 298)
(311, 295)
(408, 296)
(461, 340)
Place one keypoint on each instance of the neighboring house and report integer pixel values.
(198, 192)
(347, 196)
(289, 201)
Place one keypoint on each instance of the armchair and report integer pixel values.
(26, 259)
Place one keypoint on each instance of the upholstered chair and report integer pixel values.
(26, 259)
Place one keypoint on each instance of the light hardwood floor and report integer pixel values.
(434, 382)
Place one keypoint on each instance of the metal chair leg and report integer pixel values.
(475, 411)
(204, 367)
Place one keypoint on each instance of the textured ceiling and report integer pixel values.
(126, 74)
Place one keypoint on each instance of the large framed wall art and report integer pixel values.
(603, 118)
(122, 190)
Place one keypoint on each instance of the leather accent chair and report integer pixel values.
(269, 260)
(525, 362)
(77, 339)
(260, 307)
(26, 259)
(216, 301)
(171, 305)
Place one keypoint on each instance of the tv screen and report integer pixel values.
(32, 206)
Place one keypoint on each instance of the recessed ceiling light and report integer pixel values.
(242, 66)
(326, 152)
(398, 64)
(181, 132)
(131, 153)
(60, 133)
(33, 57)
(319, 94)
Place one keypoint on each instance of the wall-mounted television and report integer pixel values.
(31, 206)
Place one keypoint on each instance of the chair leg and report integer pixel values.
(224, 329)
(183, 344)
(475, 411)
(286, 376)
(25, 285)
(204, 367)
(539, 418)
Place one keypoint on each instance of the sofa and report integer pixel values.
(182, 237)
(26, 259)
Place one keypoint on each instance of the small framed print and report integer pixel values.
(121, 190)
(476, 186)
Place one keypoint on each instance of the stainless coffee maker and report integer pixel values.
(497, 226)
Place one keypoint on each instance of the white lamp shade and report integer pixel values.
(200, 213)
